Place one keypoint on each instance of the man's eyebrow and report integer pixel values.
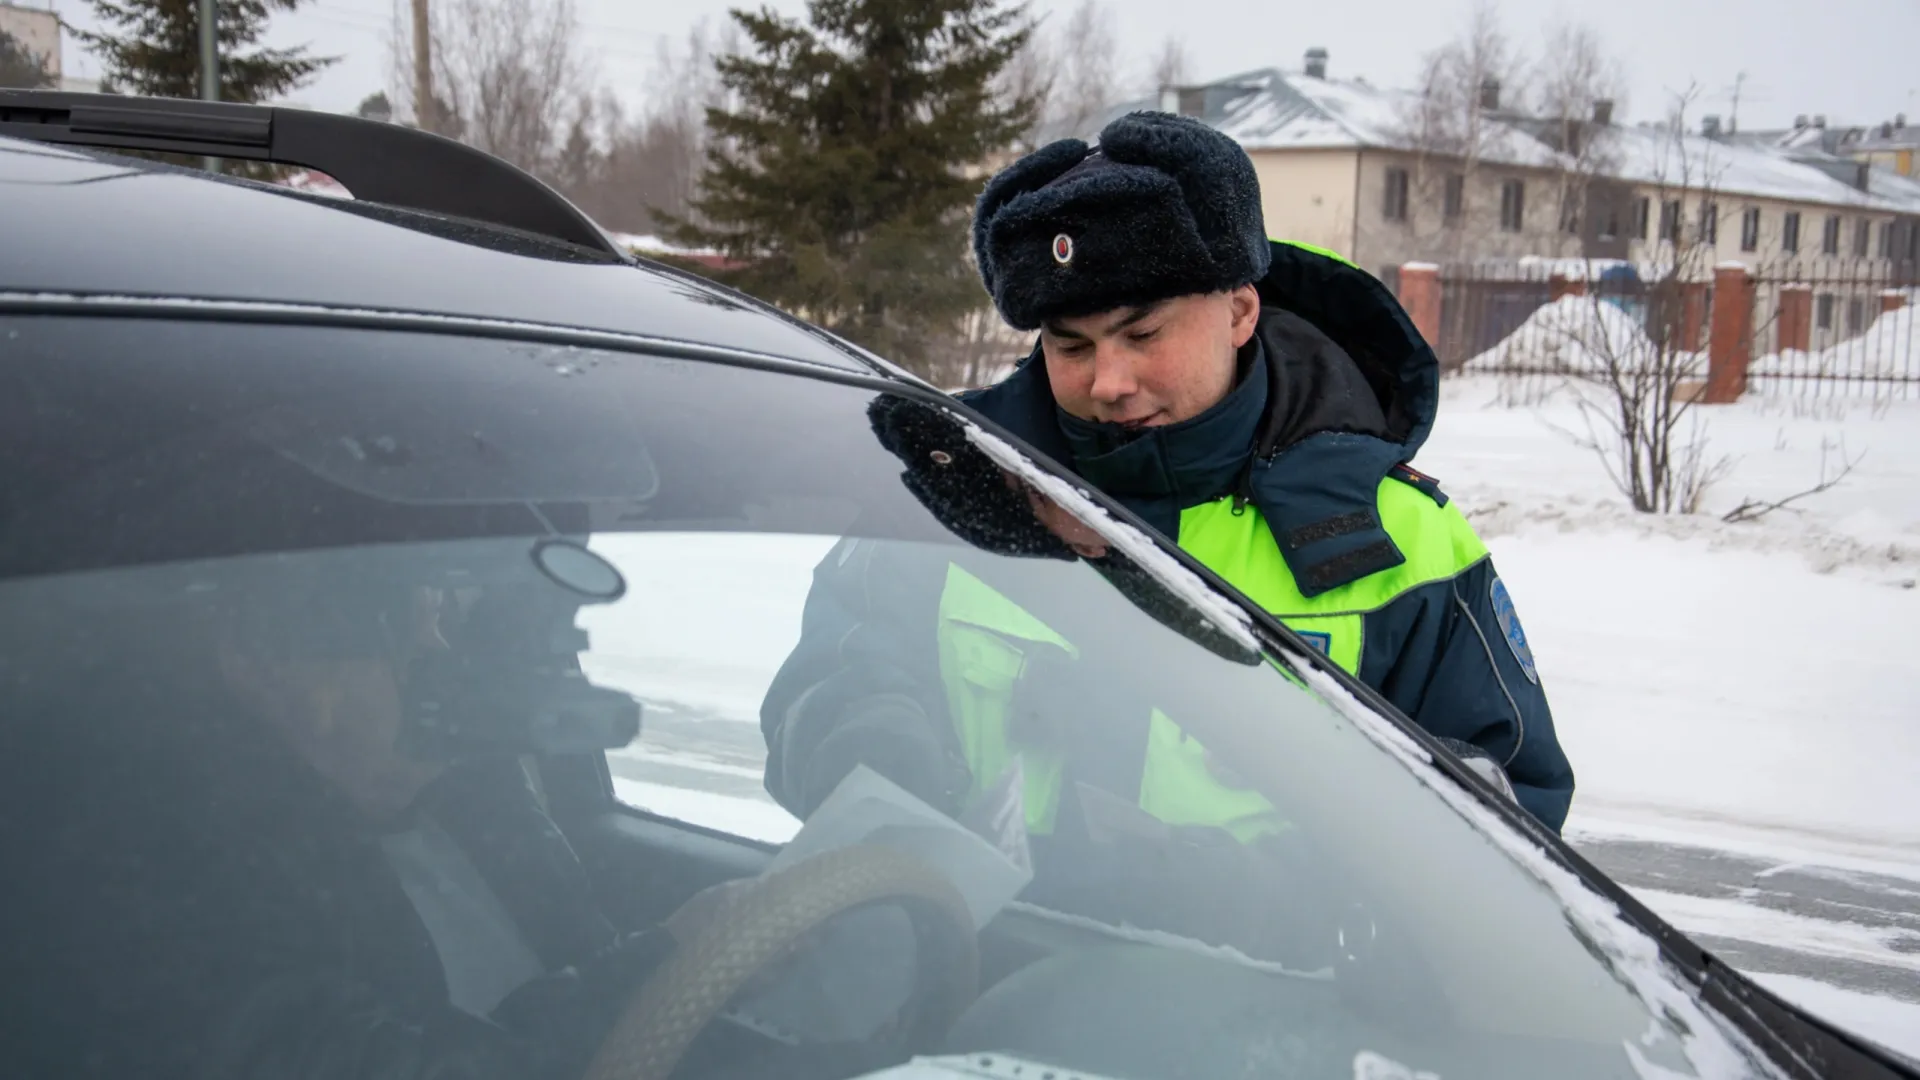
(1136, 316)
(1132, 317)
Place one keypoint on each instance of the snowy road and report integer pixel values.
(1852, 929)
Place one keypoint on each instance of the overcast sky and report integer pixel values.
(1852, 60)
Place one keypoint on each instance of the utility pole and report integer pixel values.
(210, 60)
(423, 104)
(1733, 119)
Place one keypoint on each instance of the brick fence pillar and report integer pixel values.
(1559, 285)
(1420, 295)
(1796, 317)
(1693, 315)
(1730, 349)
(1892, 300)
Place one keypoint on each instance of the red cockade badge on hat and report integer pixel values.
(1063, 249)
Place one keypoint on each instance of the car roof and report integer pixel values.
(83, 222)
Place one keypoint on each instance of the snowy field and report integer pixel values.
(1746, 689)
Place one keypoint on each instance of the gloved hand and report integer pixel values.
(1483, 763)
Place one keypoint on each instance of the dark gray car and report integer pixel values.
(388, 588)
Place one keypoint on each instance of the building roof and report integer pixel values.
(1271, 109)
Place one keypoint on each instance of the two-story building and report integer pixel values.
(1369, 172)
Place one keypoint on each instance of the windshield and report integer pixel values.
(363, 686)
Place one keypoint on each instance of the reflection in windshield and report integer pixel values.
(298, 746)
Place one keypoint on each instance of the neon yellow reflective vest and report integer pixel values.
(981, 659)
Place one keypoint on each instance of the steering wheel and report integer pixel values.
(766, 924)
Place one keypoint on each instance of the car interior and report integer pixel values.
(226, 557)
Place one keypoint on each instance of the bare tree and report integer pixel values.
(1636, 361)
(1084, 53)
(511, 79)
(516, 81)
(1031, 77)
(1577, 86)
(1171, 66)
(1448, 124)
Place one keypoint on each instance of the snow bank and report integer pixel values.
(1705, 675)
(1515, 470)
(1579, 335)
(1888, 349)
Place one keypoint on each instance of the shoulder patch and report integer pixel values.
(1509, 620)
(1320, 640)
(1414, 478)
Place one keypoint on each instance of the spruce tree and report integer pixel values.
(840, 180)
(20, 67)
(152, 48)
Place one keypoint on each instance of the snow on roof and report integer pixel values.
(1660, 156)
(1270, 109)
(1283, 110)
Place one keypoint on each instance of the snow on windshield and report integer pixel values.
(1218, 610)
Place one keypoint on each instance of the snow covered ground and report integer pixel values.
(1748, 689)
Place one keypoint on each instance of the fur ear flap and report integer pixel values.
(1030, 173)
(1215, 175)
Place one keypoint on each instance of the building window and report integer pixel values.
(1830, 236)
(1396, 206)
(1709, 223)
(1570, 213)
(1856, 316)
(1823, 312)
(1642, 210)
(1670, 221)
(1790, 232)
(1513, 205)
(1453, 198)
(1609, 219)
(1750, 229)
(1862, 233)
(1913, 240)
(1886, 240)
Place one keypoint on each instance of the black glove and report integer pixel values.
(958, 482)
(562, 1018)
(1482, 763)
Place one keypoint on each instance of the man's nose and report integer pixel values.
(1112, 374)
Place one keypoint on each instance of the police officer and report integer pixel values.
(1256, 401)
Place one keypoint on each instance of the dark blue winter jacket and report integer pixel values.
(1295, 489)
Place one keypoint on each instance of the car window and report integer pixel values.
(706, 622)
(286, 610)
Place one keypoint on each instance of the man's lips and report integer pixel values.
(1141, 422)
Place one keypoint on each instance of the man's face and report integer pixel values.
(1150, 366)
(342, 713)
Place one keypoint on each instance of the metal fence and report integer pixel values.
(1835, 330)
(1828, 329)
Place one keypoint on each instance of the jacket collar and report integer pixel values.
(1192, 462)
(1350, 394)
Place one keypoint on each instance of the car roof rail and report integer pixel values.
(378, 162)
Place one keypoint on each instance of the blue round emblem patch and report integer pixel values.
(1509, 620)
